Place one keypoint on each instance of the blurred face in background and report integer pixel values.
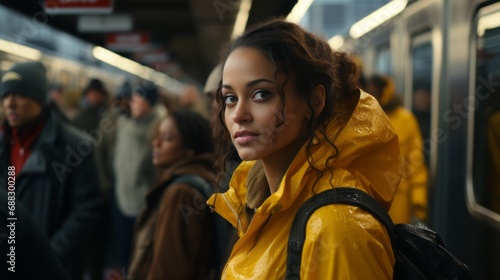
(20, 110)
(95, 97)
(139, 106)
(374, 90)
(422, 100)
(121, 105)
(168, 145)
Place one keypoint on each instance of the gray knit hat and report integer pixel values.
(28, 79)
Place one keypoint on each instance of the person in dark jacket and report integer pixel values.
(174, 233)
(28, 254)
(55, 172)
(95, 97)
(95, 118)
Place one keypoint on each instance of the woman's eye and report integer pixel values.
(262, 94)
(230, 99)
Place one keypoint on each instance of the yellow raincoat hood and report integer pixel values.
(342, 242)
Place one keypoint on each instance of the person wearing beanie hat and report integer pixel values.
(133, 167)
(95, 84)
(148, 91)
(53, 163)
(95, 106)
(23, 90)
(27, 79)
(144, 98)
(94, 94)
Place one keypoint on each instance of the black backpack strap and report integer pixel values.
(343, 195)
(197, 182)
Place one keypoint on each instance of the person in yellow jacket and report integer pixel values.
(291, 107)
(411, 198)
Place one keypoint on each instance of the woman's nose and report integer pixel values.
(241, 113)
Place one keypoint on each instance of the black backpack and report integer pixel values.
(419, 251)
(223, 229)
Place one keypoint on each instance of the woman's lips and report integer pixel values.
(244, 139)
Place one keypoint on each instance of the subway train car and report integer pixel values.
(72, 75)
(445, 59)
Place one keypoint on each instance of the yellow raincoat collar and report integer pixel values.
(368, 158)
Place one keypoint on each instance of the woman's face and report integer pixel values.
(260, 126)
(167, 145)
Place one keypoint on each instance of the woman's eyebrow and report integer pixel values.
(252, 83)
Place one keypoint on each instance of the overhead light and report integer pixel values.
(137, 69)
(336, 42)
(118, 61)
(20, 50)
(299, 10)
(242, 18)
(377, 18)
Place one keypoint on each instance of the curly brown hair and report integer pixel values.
(309, 61)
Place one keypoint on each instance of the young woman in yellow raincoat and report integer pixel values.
(292, 109)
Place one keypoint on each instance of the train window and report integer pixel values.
(383, 62)
(486, 116)
(422, 61)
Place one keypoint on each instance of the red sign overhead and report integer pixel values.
(78, 6)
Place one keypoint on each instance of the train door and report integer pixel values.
(483, 143)
(484, 129)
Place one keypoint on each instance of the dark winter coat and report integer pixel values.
(58, 186)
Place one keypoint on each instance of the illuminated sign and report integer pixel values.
(55, 7)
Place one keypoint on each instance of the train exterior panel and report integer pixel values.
(452, 50)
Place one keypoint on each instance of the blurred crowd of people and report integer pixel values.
(84, 175)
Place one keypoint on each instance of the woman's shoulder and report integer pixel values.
(342, 222)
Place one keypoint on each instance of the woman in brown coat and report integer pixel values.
(174, 234)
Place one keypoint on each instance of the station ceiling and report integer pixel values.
(191, 32)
